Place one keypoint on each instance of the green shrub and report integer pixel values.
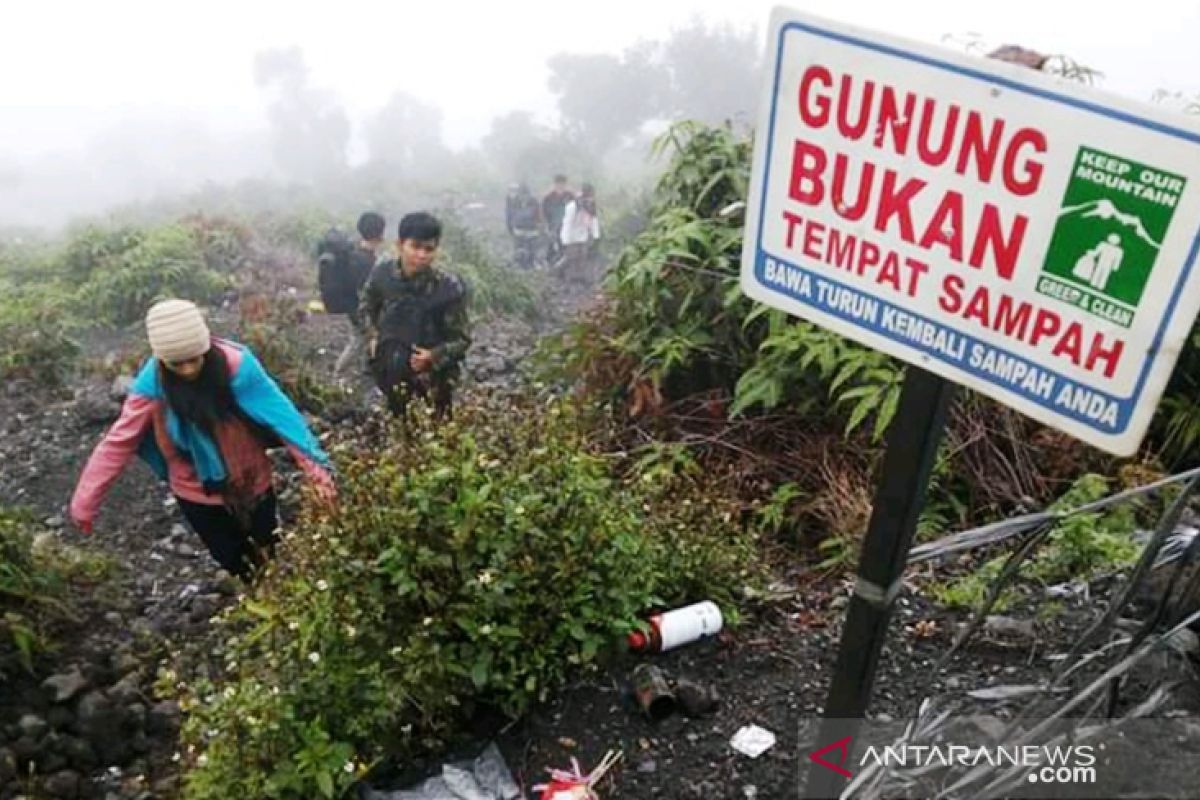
(495, 289)
(679, 322)
(35, 575)
(1079, 548)
(482, 563)
(36, 334)
(163, 262)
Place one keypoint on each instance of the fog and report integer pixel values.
(110, 104)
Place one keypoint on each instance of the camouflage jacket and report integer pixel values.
(427, 310)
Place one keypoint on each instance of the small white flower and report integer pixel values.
(486, 630)
(228, 692)
(396, 651)
(176, 757)
(351, 631)
(213, 733)
(293, 626)
(323, 585)
(349, 767)
(427, 622)
(275, 690)
(485, 577)
(314, 657)
(202, 760)
(407, 729)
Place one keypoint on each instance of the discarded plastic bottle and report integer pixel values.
(679, 627)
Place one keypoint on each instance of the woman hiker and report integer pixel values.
(202, 413)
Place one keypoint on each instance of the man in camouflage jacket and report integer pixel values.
(415, 319)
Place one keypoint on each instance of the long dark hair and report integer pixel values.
(206, 400)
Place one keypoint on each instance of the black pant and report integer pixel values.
(238, 550)
(399, 384)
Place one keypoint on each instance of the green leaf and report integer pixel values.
(325, 784)
(887, 410)
(481, 670)
(860, 412)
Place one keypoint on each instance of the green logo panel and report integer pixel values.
(1111, 224)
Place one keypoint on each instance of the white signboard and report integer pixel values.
(1022, 235)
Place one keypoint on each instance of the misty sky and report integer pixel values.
(121, 101)
(73, 70)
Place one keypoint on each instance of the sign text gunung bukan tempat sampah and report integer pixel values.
(1032, 239)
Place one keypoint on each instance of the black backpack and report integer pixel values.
(335, 275)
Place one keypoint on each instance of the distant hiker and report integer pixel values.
(202, 413)
(343, 270)
(416, 320)
(580, 232)
(554, 206)
(523, 217)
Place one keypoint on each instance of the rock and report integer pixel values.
(33, 726)
(163, 719)
(50, 763)
(204, 606)
(178, 531)
(66, 685)
(125, 662)
(63, 784)
(25, 749)
(93, 404)
(696, 699)
(60, 718)
(647, 766)
(100, 722)
(8, 765)
(1010, 628)
(953, 683)
(166, 787)
(81, 754)
(55, 522)
(186, 550)
(127, 690)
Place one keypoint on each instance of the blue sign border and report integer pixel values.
(1126, 405)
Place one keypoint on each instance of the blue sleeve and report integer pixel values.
(262, 400)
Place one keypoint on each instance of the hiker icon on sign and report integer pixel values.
(1098, 264)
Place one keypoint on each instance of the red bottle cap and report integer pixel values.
(637, 640)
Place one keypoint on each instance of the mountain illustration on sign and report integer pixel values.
(1106, 209)
(1109, 233)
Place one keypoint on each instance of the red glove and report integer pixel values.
(84, 525)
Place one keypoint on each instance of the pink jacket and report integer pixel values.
(244, 454)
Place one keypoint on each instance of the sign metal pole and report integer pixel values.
(911, 450)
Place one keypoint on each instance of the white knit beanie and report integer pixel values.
(177, 330)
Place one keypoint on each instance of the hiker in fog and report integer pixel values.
(416, 320)
(343, 269)
(523, 218)
(202, 413)
(580, 232)
(554, 205)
